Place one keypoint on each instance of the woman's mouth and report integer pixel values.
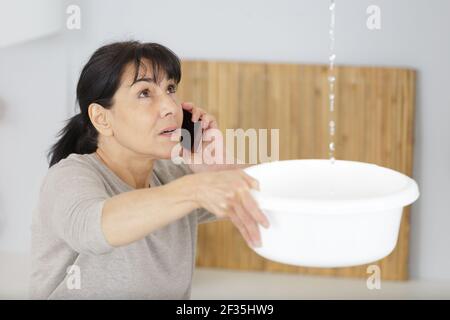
(168, 132)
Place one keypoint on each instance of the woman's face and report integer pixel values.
(142, 110)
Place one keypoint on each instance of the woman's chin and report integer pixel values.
(166, 146)
(169, 150)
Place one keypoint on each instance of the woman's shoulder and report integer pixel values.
(74, 163)
(74, 166)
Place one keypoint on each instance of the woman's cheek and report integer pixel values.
(139, 130)
(179, 119)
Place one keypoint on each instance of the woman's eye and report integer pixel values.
(144, 94)
(172, 89)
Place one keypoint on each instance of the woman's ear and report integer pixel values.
(101, 119)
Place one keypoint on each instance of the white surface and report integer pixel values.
(23, 20)
(324, 214)
(33, 103)
(226, 284)
(413, 33)
(317, 186)
(14, 275)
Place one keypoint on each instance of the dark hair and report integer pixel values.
(99, 80)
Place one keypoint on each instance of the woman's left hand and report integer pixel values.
(210, 134)
(207, 120)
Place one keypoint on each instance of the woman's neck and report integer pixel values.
(134, 170)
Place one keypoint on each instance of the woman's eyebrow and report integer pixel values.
(150, 80)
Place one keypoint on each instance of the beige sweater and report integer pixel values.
(71, 258)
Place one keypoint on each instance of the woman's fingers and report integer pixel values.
(205, 121)
(252, 182)
(250, 203)
(197, 113)
(251, 206)
(240, 226)
(187, 105)
(239, 218)
(233, 210)
(249, 221)
(208, 121)
(229, 196)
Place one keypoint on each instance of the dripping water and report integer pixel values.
(331, 83)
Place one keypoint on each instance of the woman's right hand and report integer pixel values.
(226, 193)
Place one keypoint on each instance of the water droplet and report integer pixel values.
(332, 97)
(332, 57)
(332, 146)
(331, 78)
(332, 130)
(332, 124)
(332, 6)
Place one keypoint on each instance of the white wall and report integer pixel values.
(33, 87)
(413, 34)
(36, 19)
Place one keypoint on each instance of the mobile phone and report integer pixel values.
(190, 139)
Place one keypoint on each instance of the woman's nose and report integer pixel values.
(168, 106)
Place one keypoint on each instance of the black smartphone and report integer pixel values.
(190, 139)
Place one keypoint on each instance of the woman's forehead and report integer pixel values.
(145, 71)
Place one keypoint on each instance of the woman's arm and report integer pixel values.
(77, 207)
(196, 168)
(132, 215)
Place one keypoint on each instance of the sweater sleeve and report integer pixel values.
(74, 196)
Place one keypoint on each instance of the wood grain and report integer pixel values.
(374, 113)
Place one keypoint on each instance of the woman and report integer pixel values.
(116, 217)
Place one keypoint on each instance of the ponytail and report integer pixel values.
(78, 136)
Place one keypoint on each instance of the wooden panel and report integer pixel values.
(374, 123)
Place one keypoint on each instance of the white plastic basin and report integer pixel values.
(330, 215)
